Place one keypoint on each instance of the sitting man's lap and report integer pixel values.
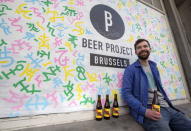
(171, 120)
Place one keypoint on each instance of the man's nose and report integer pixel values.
(142, 48)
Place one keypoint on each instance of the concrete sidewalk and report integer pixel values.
(123, 123)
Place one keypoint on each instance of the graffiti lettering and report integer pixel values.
(24, 88)
(29, 72)
(68, 92)
(81, 73)
(20, 44)
(107, 79)
(3, 8)
(68, 11)
(42, 53)
(36, 62)
(61, 60)
(4, 27)
(32, 27)
(87, 100)
(72, 39)
(5, 60)
(36, 103)
(52, 72)
(67, 72)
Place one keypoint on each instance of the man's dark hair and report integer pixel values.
(139, 41)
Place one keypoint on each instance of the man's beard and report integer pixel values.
(145, 57)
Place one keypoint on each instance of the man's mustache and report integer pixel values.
(144, 51)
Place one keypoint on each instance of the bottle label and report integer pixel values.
(99, 113)
(106, 112)
(156, 108)
(115, 111)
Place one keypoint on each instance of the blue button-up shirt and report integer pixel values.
(135, 89)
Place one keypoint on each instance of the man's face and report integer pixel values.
(143, 50)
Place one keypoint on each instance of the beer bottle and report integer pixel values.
(155, 102)
(99, 112)
(115, 109)
(107, 108)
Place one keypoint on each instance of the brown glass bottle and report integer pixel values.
(155, 102)
(99, 113)
(115, 109)
(107, 108)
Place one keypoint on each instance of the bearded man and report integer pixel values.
(140, 80)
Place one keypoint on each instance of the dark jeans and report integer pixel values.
(171, 120)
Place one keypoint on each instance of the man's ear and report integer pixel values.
(150, 49)
(135, 52)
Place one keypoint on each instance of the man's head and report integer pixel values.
(142, 49)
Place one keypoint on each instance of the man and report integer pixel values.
(139, 82)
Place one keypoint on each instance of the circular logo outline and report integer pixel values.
(107, 21)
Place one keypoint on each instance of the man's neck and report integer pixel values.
(144, 62)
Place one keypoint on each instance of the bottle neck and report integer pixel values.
(115, 97)
(99, 98)
(155, 98)
(107, 97)
(155, 93)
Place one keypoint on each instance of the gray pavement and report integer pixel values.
(123, 123)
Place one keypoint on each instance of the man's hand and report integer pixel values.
(153, 115)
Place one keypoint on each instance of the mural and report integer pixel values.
(45, 48)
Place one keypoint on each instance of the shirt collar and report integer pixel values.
(151, 63)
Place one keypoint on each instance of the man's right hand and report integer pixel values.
(153, 115)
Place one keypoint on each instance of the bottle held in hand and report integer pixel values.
(155, 102)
